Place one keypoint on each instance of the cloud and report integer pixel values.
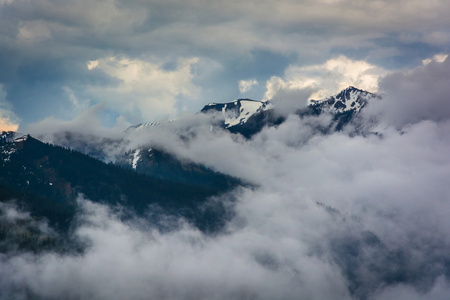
(246, 85)
(137, 262)
(415, 95)
(330, 216)
(394, 188)
(85, 133)
(328, 78)
(7, 125)
(301, 83)
(437, 58)
(229, 35)
(8, 120)
(34, 31)
(404, 292)
(88, 121)
(144, 89)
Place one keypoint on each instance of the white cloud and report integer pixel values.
(327, 78)
(437, 58)
(415, 95)
(71, 95)
(246, 85)
(85, 133)
(144, 89)
(92, 64)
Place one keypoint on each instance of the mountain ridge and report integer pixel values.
(244, 116)
(47, 179)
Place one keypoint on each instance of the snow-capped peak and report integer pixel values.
(236, 112)
(145, 125)
(11, 136)
(348, 99)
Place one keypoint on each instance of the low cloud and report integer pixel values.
(330, 216)
(416, 95)
(288, 97)
(84, 133)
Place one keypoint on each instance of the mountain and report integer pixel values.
(165, 166)
(41, 186)
(350, 99)
(237, 112)
(161, 164)
(46, 180)
(143, 126)
(344, 108)
(245, 117)
(41, 183)
(227, 115)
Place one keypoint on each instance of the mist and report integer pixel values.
(327, 217)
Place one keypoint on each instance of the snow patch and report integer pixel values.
(246, 110)
(349, 99)
(136, 157)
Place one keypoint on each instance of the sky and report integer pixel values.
(152, 60)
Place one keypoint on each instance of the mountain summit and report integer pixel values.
(237, 112)
(350, 99)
